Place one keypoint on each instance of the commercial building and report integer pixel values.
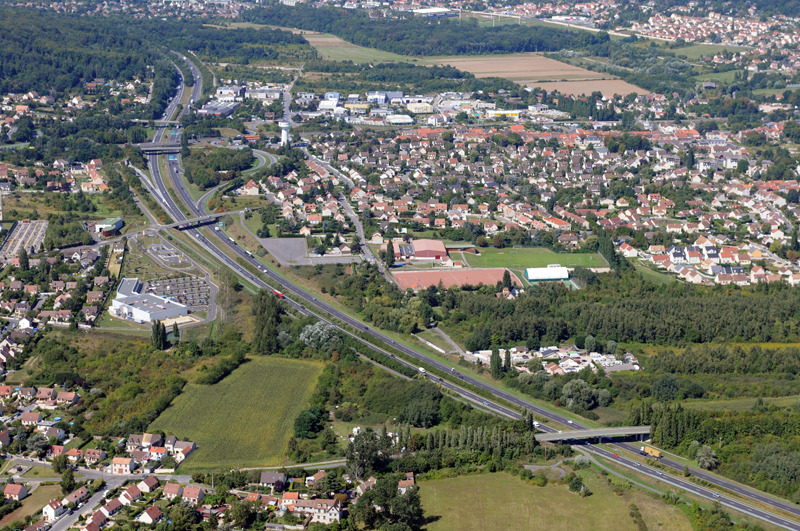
(145, 307)
(551, 273)
(399, 119)
(420, 108)
(109, 226)
(216, 108)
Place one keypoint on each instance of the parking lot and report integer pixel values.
(166, 254)
(192, 291)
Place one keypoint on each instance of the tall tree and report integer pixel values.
(67, 481)
(267, 311)
(176, 335)
(495, 364)
(23, 260)
(158, 335)
(506, 279)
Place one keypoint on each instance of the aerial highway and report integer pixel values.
(215, 244)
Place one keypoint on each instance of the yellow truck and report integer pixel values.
(651, 452)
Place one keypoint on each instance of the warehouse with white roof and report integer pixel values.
(145, 307)
(551, 273)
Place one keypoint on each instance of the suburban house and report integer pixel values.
(151, 515)
(172, 490)
(193, 495)
(53, 510)
(94, 455)
(274, 480)
(312, 480)
(31, 419)
(111, 508)
(148, 484)
(122, 465)
(365, 486)
(15, 491)
(74, 455)
(75, 497)
(130, 495)
(322, 511)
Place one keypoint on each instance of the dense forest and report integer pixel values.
(423, 36)
(203, 167)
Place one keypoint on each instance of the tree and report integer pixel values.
(603, 398)
(59, 463)
(665, 388)
(407, 508)
(507, 361)
(611, 347)
(362, 454)
(310, 422)
(506, 279)
(590, 343)
(707, 458)
(267, 310)
(578, 395)
(686, 472)
(388, 256)
(24, 264)
(176, 335)
(67, 481)
(158, 335)
(495, 364)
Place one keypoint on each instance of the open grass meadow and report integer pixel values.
(33, 503)
(739, 404)
(655, 277)
(500, 501)
(244, 420)
(696, 51)
(332, 48)
(531, 257)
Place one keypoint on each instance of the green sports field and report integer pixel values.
(244, 420)
(531, 257)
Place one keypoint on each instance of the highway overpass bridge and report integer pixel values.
(201, 220)
(627, 431)
(160, 147)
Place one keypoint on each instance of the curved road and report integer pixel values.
(214, 247)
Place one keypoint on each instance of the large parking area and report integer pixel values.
(192, 291)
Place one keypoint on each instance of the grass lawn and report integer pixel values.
(724, 77)
(33, 503)
(244, 420)
(531, 257)
(39, 472)
(696, 51)
(501, 501)
(739, 404)
(332, 48)
(654, 276)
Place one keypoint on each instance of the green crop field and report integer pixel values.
(531, 257)
(244, 420)
(501, 501)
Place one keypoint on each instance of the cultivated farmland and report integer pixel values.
(534, 70)
(244, 420)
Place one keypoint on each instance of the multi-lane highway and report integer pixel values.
(215, 243)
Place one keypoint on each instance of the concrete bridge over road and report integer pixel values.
(202, 220)
(627, 431)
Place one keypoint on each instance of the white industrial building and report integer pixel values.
(144, 307)
(553, 272)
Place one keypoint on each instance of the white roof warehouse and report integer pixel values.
(553, 272)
